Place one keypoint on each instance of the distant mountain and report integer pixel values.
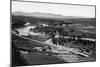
(38, 17)
(44, 15)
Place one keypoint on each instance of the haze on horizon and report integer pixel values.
(59, 9)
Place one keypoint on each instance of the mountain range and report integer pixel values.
(45, 15)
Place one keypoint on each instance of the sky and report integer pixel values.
(59, 9)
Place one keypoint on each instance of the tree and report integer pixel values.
(17, 23)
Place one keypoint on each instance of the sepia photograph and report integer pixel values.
(52, 33)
